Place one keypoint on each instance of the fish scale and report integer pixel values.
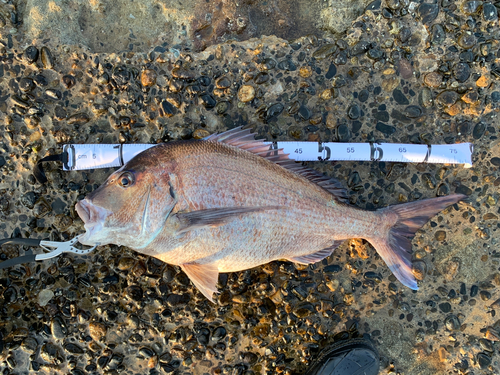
(228, 203)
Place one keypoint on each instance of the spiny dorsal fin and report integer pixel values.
(245, 139)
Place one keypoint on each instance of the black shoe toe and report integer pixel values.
(350, 357)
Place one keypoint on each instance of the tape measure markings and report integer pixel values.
(92, 156)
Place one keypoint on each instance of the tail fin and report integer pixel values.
(395, 249)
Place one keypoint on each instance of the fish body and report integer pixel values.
(228, 203)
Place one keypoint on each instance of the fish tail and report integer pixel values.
(395, 248)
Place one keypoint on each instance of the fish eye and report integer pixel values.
(126, 179)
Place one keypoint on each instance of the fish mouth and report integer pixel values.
(83, 211)
(90, 213)
(93, 217)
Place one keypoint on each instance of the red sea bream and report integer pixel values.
(227, 203)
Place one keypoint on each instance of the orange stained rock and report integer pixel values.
(483, 81)
(455, 109)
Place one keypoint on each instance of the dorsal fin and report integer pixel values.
(245, 139)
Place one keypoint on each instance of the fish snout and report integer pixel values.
(90, 213)
(83, 210)
(94, 217)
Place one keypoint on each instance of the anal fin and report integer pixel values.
(316, 256)
(204, 277)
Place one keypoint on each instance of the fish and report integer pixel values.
(229, 202)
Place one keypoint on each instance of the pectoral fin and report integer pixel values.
(203, 276)
(214, 217)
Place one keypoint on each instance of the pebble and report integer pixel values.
(73, 348)
(343, 133)
(466, 40)
(29, 345)
(474, 291)
(461, 71)
(324, 51)
(486, 345)
(490, 12)
(166, 109)
(438, 35)
(492, 334)
(405, 69)
(200, 133)
(246, 93)
(399, 97)
(327, 94)
(332, 71)
(447, 98)
(374, 5)
(304, 113)
(443, 190)
(274, 110)
(261, 78)
(404, 34)
(32, 122)
(452, 323)
(495, 161)
(222, 83)
(51, 353)
(471, 7)
(445, 307)
(428, 12)
(363, 95)
(46, 57)
(30, 54)
(479, 130)
(333, 285)
(305, 72)
(58, 328)
(413, 111)
(483, 81)
(375, 54)
(148, 77)
(440, 235)
(470, 97)
(222, 107)
(53, 94)
(419, 269)
(97, 331)
(433, 79)
(44, 296)
(485, 295)
(353, 112)
(426, 98)
(483, 360)
(26, 84)
(68, 81)
(121, 75)
(384, 128)
(78, 119)
(359, 48)
(207, 101)
(287, 65)
(219, 333)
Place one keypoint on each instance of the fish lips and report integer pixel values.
(94, 218)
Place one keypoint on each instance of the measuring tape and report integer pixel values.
(93, 156)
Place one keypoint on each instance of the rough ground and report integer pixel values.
(403, 72)
(145, 24)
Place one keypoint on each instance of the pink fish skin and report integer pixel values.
(228, 203)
